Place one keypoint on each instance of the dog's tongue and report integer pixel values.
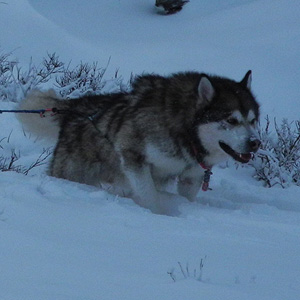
(241, 157)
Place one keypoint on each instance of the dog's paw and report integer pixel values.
(169, 204)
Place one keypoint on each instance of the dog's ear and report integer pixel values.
(205, 89)
(246, 81)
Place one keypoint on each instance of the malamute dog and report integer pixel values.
(165, 128)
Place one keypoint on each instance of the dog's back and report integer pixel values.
(48, 125)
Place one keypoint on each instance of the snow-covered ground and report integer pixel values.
(62, 240)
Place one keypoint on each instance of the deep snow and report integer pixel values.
(62, 240)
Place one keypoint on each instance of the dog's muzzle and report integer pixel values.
(241, 157)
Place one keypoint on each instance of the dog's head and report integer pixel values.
(227, 124)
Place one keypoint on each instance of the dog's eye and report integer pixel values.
(233, 121)
(253, 122)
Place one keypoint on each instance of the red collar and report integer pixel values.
(207, 173)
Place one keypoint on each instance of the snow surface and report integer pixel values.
(62, 240)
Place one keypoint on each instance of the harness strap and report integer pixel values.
(55, 111)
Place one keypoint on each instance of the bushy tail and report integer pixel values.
(47, 127)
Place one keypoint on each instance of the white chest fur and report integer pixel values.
(163, 163)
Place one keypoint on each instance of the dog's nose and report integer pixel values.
(254, 144)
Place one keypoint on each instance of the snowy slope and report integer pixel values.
(62, 240)
(211, 36)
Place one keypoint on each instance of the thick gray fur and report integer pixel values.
(134, 143)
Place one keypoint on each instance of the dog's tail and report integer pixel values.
(45, 127)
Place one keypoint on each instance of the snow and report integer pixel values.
(62, 240)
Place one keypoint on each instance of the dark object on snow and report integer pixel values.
(169, 7)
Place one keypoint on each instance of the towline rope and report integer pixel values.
(41, 112)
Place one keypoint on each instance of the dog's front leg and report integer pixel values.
(144, 190)
(190, 182)
(140, 179)
(145, 193)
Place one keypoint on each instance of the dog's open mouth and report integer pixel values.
(240, 157)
